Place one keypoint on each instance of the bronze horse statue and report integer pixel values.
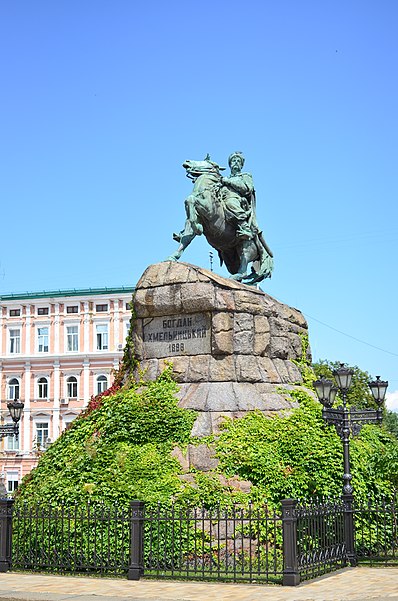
(208, 214)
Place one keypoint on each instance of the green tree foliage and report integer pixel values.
(298, 455)
(391, 422)
(117, 452)
(120, 449)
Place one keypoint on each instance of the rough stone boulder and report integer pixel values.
(233, 347)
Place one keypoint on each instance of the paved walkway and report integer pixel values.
(358, 584)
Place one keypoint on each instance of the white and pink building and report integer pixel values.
(57, 349)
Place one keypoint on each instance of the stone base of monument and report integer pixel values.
(233, 347)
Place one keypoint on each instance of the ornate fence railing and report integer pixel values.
(321, 545)
(65, 539)
(239, 544)
(314, 538)
(299, 541)
(376, 531)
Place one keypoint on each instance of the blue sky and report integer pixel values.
(102, 101)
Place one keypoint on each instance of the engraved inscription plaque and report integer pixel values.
(176, 335)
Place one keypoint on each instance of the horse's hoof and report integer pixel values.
(171, 258)
(238, 277)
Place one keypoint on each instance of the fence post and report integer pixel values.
(291, 576)
(349, 531)
(136, 567)
(5, 534)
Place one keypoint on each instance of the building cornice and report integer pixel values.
(50, 294)
(45, 358)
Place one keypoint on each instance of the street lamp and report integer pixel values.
(348, 422)
(15, 408)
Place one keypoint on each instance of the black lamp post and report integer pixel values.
(348, 422)
(15, 408)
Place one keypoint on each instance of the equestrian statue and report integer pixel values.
(224, 210)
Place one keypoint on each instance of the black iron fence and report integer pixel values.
(90, 539)
(314, 538)
(321, 539)
(376, 531)
(239, 544)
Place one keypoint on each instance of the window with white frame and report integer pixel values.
(102, 337)
(12, 442)
(15, 340)
(102, 384)
(72, 338)
(42, 340)
(71, 387)
(13, 389)
(42, 388)
(101, 308)
(12, 481)
(41, 433)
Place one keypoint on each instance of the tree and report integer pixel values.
(391, 422)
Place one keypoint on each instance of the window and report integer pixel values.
(72, 338)
(102, 384)
(42, 311)
(42, 387)
(72, 309)
(42, 340)
(128, 307)
(15, 340)
(13, 390)
(15, 312)
(12, 443)
(71, 385)
(68, 421)
(101, 308)
(41, 432)
(102, 337)
(12, 481)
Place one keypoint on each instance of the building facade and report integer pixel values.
(57, 349)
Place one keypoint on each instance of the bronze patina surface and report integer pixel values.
(224, 210)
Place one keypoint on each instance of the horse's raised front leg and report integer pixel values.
(185, 238)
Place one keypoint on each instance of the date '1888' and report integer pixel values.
(177, 347)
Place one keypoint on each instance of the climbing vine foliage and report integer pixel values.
(121, 449)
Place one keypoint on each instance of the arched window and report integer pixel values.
(13, 389)
(71, 383)
(42, 387)
(102, 384)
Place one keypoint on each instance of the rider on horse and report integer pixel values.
(237, 194)
(224, 209)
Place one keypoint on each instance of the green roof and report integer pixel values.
(70, 292)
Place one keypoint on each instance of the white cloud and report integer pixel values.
(392, 400)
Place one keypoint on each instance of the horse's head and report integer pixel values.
(196, 168)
